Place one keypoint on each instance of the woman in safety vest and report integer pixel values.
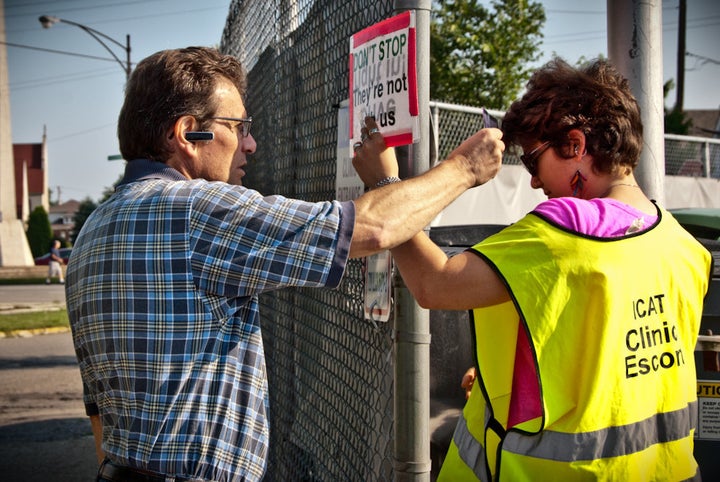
(585, 312)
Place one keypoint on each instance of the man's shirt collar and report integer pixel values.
(144, 169)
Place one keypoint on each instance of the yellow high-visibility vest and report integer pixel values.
(612, 325)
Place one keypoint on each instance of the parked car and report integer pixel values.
(704, 224)
(700, 222)
(44, 260)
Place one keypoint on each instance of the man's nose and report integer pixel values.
(248, 144)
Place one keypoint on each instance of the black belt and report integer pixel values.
(119, 473)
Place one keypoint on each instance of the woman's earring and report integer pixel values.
(577, 149)
(577, 183)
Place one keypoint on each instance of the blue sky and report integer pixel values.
(78, 99)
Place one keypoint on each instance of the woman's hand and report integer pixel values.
(373, 160)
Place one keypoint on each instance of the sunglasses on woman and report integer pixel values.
(530, 159)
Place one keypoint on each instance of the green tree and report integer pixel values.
(87, 206)
(39, 232)
(85, 209)
(110, 190)
(480, 57)
(676, 121)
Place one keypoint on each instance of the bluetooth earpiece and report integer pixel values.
(199, 136)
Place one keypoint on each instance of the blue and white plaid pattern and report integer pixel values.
(162, 297)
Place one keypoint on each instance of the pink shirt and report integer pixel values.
(601, 217)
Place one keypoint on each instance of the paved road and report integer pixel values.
(31, 294)
(44, 433)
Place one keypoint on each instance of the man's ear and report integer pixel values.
(176, 137)
(576, 139)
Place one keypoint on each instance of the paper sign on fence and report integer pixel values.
(383, 80)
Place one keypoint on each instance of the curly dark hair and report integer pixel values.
(164, 87)
(594, 98)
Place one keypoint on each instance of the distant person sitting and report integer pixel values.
(55, 264)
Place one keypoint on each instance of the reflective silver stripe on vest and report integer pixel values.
(610, 442)
(470, 450)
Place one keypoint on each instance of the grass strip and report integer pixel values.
(22, 281)
(33, 320)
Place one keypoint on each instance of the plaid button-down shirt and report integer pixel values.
(162, 298)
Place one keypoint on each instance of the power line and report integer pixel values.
(79, 133)
(42, 49)
(45, 81)
(705, 60)
(576, 12)
(163, 14)
(53, 5)
(575, 36)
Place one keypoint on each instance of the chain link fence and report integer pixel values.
(330, 371)
(452, 124)
(692, 156)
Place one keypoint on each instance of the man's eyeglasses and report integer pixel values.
(239, 122)
(530, 159)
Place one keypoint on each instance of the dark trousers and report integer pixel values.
(110, 472)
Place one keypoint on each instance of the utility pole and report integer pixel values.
(680, 88)
(635, 48)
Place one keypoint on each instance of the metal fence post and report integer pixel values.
(412, 323)
(706, 159)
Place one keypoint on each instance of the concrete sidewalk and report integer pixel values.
(44, 433)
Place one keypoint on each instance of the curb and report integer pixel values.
(15, 308)
(37, 331)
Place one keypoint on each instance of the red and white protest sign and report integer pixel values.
(383, 79)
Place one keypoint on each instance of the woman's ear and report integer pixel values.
(576, 140)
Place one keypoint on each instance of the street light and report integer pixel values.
(48, 21)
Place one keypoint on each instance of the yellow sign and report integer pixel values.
(708, 426)
(706, 389)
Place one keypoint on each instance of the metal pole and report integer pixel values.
(47, 21)
(412, 323)
(635, 48)
(707, 160)
(128, 65)
(681, 49)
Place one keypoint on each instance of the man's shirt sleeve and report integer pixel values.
(243, 243)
